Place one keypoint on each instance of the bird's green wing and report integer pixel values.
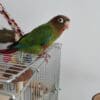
(40, 36)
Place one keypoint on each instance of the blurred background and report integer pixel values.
(80, 61)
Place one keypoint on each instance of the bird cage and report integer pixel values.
(24, 77)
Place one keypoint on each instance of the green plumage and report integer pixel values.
(36, 40)
(41, 37)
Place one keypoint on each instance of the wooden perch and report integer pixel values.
(7, 36)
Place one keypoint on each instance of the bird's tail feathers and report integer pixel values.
(12, 46)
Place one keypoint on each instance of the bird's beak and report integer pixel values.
(67, 24)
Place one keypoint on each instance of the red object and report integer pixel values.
(7, 51)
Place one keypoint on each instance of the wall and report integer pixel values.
(80, 68)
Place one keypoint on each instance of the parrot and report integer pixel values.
(40, 38)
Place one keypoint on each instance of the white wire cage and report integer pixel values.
(24, 78)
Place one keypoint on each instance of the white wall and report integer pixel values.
(80, 68)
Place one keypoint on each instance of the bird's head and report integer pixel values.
(60, 23)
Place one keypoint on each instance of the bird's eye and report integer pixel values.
(61, 20)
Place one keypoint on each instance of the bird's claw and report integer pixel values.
(45, 56)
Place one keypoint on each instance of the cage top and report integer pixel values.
(10, 71)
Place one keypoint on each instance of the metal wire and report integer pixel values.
(44, 79)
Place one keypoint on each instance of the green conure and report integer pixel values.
(41, 37)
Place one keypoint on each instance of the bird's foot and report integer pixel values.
(44, 55)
